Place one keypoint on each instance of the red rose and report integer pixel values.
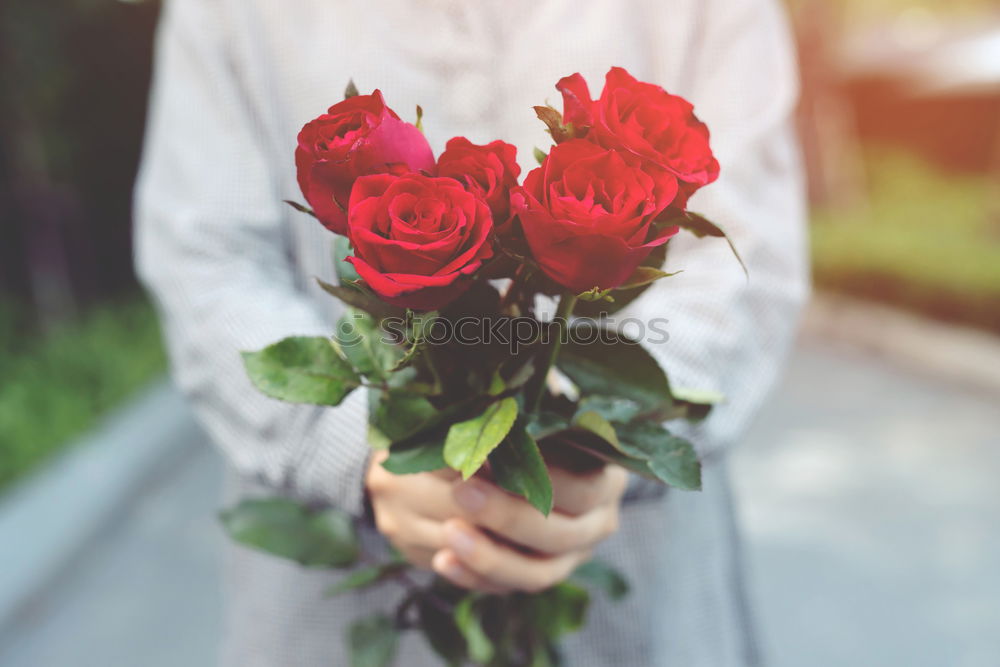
(587, 215)
(356, 137)
(489, 171)
(417, 239)
(645, 120)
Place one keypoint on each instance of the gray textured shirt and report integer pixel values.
(231, 267)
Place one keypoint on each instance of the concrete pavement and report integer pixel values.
(145, 594)
(870, 501)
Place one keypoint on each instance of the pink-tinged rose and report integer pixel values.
(489, 171)
(587, 214)
(417, 239)
(645, 120)
(356, 137)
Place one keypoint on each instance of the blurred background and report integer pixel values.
(871, 502)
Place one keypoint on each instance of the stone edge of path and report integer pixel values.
(962, 355)
(50, 517)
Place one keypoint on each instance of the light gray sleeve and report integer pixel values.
(211, 247)
(726, 333)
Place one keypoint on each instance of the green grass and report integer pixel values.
(54, 388)
(925, 240)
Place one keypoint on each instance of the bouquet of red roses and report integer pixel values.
(442, 262)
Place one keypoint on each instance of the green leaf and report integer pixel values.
(497, 385)
(558, 610)
(282, 527)
(594, 310)
(672, 459)
(345, 270)
(546, 423)
(398, 415)
(603, 576)
(301, 370)
(543, 655)
(595, 447)
(421, 323)
(554, 122)
(523, 373)
(419, 124)
(539, 155)
(598, 425)
(423, 456)
(596, 294)
(700, 396)
(701, 227)
(518, 467)
(470, 442)
(300, 207)
(373, 641)
(645, 275)
(441, 632)
(351, 90)
(694, 404)
(467, 620)
(602, 361)
(364, 344)
(367, 576)
(353, 294)
(620, 410)
(377, 439)
(417, 327)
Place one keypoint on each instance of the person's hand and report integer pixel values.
(501, 543)
(410, 510)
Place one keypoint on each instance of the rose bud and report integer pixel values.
(587, 215)
(356, 137)
(417, 239)
(645, 120)
(489, 171)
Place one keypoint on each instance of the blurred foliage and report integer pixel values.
(74, 339)
(926, 240)
(74, 76)
(56, 387)
(56, 55)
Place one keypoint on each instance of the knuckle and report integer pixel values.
(543, 578)
(582, 531)
(559, 542)
(475, 565)
(386, 525)
(379, 481)
(591, 496)
(500, 519)
(612, 524)
(478, 560)
(415, 557)
(536, 585)
(482, 561)
(614, 481)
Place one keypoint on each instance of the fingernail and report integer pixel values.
(460, 542)
(447, 567)
(470, 497)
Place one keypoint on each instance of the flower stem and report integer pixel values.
(534, 392)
